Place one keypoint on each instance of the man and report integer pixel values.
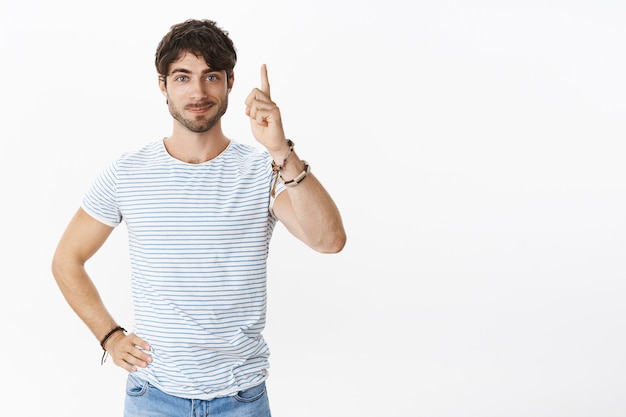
(200, 209)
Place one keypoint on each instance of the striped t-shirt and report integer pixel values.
(198, 239)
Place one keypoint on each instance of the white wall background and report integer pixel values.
(475, 149)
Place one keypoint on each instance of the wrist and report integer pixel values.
(112, 340)
(112, 334)
(281, 156)
(297, 170)
(109, 335)
(306, 169)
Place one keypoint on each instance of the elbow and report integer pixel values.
(333, 244)
(57, 269)
(63, 267)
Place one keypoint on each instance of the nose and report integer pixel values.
(198, 90)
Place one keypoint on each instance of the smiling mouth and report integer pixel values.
(199, 108)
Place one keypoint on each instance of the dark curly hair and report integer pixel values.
(201, 37)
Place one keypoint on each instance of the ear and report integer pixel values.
(162, 85)
(231, 81)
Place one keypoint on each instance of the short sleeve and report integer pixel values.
(100, 201)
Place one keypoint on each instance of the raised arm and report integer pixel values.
(305, 208)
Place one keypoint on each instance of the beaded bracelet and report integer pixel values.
(277, 168)
(301, 176)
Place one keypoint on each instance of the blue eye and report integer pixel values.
(181, 78)
(211, 77)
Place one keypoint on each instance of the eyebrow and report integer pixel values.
(186, 71)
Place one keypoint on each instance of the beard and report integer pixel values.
(202, 123)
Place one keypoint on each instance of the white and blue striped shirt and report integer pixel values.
(198, 238)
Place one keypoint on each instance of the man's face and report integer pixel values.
(197, 95)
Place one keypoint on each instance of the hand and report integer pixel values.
(129, 351)
(264, 114)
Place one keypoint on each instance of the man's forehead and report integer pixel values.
(190, 60)
(189, 56)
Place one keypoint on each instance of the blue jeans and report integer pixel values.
(144, 400)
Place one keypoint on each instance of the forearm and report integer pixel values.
(83, 297)
(82, 238)
(316, 218)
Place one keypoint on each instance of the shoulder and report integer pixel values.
(149, 152)
(246, 150)
(246, 153)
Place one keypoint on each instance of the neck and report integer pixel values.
(196, 148)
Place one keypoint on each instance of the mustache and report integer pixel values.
(200, 104)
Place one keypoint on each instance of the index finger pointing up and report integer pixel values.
(265, 83)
